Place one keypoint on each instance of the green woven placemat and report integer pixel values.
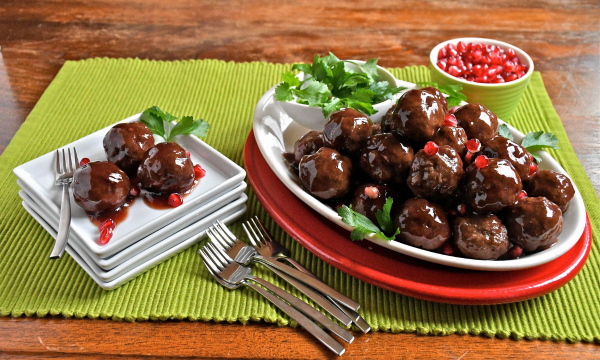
(88, 95)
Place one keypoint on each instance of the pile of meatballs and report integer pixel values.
(134, 162)
(459, 188)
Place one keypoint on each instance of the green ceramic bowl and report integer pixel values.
(502, 99)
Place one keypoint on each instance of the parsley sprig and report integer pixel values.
(329, 85)
(159, 123)
(363, 226)
(455, 97)
(534, 141)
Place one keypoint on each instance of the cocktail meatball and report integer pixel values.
(493, 187)
(534, 223)
(453, 136)
(346, 131)
(435, 176)
(326, 173)
(478, 121)
(503, 148)
(481, 237)
(100, 186)
(553, 186)
(422, 224)
(166, 168)
(308, 144)
(125, 145)
(369, 198)
(439, 96)
(416, 117)
(385, 159)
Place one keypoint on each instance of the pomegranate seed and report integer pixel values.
(454, 71)
(106, 224)
(453, 110)
(84, 161)
(491, 72)
(199, 171)
(452, 61)
(485, 59)
(509, 66)
(371, 192)
(481, 79)
(175, 200)
(452, 52)
(477, 55)
(498, 80)
(533, 168)
(510, 53)
(462, 208)
(511, 77)
(522, 194)
(448, 250)
(134, 191)
(515, 60)
(473, 145)
(471, 78)
(516, 252)
(520, 74)
(105, 236)
(468, 157)
(442, 53)
(461, 47)
(469, 47)
(442, 64)
(531, 159)
(431, 148)
(188, 154)
(476, 47)
(481, 161)
(450, 46)
(450, 120)
(497, 60)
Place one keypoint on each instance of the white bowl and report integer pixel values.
(312, 117)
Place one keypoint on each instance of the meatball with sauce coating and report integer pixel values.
(553, 186)
(439, 96)
(308, 144)
(346, 131)
(126, 143)
(385, 159)
(502, 148)
(435, 176)
(534, 223)
(326, 174)
(493, 187)
(369, 198)
(478, 121)
(453, 136)
(100, 186)
(482, 237)
(422, 224)
(166, 168)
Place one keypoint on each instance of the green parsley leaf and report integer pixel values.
(539, 140)
(320, 70)
(157, 121)
(363, 95)
(384, 218)
(305, 68)
(333, 105)
(154, 119)
(316, 93)
(537, 157)
(363, 226)
(455, 97)
(331, 60)
(188, 126)
(504, 131)
(361, 106)
(283, 92)
(370, 68)
(290, 79)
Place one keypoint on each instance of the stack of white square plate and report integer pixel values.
(147, 236)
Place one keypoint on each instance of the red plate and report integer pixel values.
(396, 272)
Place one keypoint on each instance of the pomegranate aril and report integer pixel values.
(448, 250)
(371, 192)
(509, 66)
(520, 74)
(470, 78)
(84, 161)
(478, 70)
(461, 47)
(486, 60)
(533, 168)
(522, 194)
(105, 236)
(476, 47)
(452, 61)
(453, 110)
(450, 46)
(442, 64)
(462, 208)
(498, 80)
(106, 224)
(481, 161)
(473, 145)
(481, 79)
(516, 252)
(468, 157)
(188, 154)
(134, 191)
(450, 120)
(491, 72)
(510, 53)
(175, 200)
(442, 53)
(452, 52)
(454, 70)
(431, 148)
(497, 60)
(199, 171)
(476, 55)
(511, 77)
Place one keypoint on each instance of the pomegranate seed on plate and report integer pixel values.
(108, 223)
(188, 154)
(450, 120)
(84, 161)
(134, 191)
(371, 192)
(105, 236)
(462, 208)
(431, 148)
(453, 110)
(468, 157)
(533, 168)
(481, 161)
(448, 250)
(522, 195)
(515, 252)
(473, 145)
(199, 171)
(175, 200)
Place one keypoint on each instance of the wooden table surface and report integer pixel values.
(36, 37)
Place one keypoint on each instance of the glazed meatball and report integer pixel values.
(385, 159)
(125, 145)
(369, 198)
(416, 116)
(326, 173)
(376, 129)
(435, 176)
(493, 187)
(308, 144)
(503, 148)
(481, 237)
(534, 223)
(439, 96)
(346, 131)
(478, 121)
(422, 224)
(553, 186)
(100, 186)
(166, 168)
(453, 136)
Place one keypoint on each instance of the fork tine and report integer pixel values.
(264, 230)
(64, 162)
(252, 228)
(249, 235)
(212, 268)
(215, 260)
(76, 159)
(216, 252)
(57, 162)
(70, 161)
(264, 240)
(224, 237)
(217, 238)
(226, 230)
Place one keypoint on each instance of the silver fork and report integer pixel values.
(64, 178)
(244, 254)
(232, 275)
(267, 246)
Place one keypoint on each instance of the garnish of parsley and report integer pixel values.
(533, 142)
(363, 226)
(455, 97)
(159, 123)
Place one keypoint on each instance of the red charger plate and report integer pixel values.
(396, 272)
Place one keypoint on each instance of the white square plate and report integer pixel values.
(222, 175)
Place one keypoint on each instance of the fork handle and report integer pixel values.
(308, 310)
(356, 318)
(309, 280)
(302, 320)
(63, 225)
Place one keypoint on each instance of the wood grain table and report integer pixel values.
(36, 37)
